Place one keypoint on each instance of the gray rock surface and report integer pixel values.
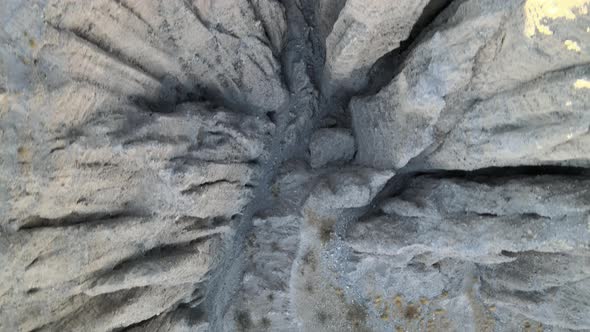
(327, 14)
(472, 91)
(448, 218)
(331, 146)
(364, 32)
(273, 165)
(116, 176)
(287, 284)
(523, 243)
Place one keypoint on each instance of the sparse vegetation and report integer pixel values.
(356, 314)
(310, 259)
(265, 323)
(275, 190)
(322, 317)
(243, 320)
(309, 287)
(412, 312)
(275, 246)
(324, 226)
(325, 233)
(340, 293)
(398, 301)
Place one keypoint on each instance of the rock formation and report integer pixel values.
(273, 165)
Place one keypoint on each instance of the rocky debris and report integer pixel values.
(476, 60)
(337, 198)
(363, 33)
(331, 146)
(264, 299)
(285, 281)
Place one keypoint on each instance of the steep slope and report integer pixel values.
(331, 165)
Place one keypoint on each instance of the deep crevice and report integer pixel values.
(78, 219)
(199, 188)
(503, 172)
(168, 250)
(390, 65)
(385, 68)
(400, 182)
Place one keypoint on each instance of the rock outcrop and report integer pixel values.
(270, 165)
(470, 94)
(520, 243)
(331, 146)
(363, 33)
(127, 127)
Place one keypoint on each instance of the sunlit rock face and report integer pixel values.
(481, 90)
(269, 165)
(363, 32)
(131, 133)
